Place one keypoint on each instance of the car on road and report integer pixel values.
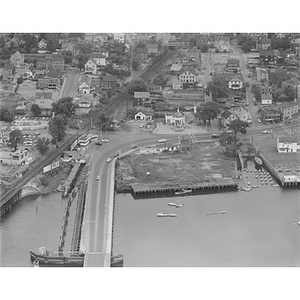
(215, 135)
(134, 146)
(104, 140)
(141, 126)
(98, 143)
(162, 140)
(98, 177)
(108, 160)
(117, 154)
(258, 120)
(266, 131)
(131, 121)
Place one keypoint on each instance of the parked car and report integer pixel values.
(108, 160)
(266, 131)
(162, 140)
(215, 135)
(98, 143)
(104, 140)
(134, 146)
(98, 177)
(131, 121)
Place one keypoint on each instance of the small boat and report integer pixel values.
(213, 213)
(275, 185)
(172, 215)
(172, 204)
(223, 212)
(179, 205)
(162, 215)
(246, 189)
(256, 176)
(254, 186)
(258, 160)
(183, 191)
(249, 182)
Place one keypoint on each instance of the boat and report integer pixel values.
(258, 160)
(179, 205)
(223, 212)
(162, 215)
(183, 191)
(61, 188)
(172, 215)
(57, 259)
(249, 182)
(172, 204)
(256, 176)
(275, 185)
(254, 186)
(246, 189)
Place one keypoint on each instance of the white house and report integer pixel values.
(42, 44)
(13, 158)
(289, 110)
(143, 116)
(235, 83)
(222, 46)
(287, 145)
(91, 66)
(262, 75)
(119, 37)
(44, 100)
(242, 114)
(177, 84)
(187, 76)
(177, 119)
(100, 59)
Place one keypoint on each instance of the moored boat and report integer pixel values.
(254, 186)
(183, 191)
(172, 215)
(246, 189)
(275, 185)
(179, 205)
(172, 204)
(162, 215)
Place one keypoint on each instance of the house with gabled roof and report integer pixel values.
(143, 116)
(289, 110)
(100, 59)
(43, 63)
(177, 84)
(42, 44)
(17, 59)
(235, 83)
(188, 76)
(226, 117)
(85, 85)
(44, 100)
(177, 119)
(51, 80)
(152, 48)
(263, 44)
(262, 75)
(109, 82)
(91, 66)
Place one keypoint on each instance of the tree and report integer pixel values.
(5, 115)
(43, 145)
(57, 128)
(278, 76)
(20, 80)
(30, 42)
(281, 43)
(36, 110)
(135, 64)
(100, 120)
(137, 85)
(160, 79)
(257, 92)
(64, 106)
(290, 93)
(208, 112)
(15, 138)
(238, 126)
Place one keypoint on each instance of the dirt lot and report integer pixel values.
(202, 163)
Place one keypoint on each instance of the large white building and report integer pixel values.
(287, 145)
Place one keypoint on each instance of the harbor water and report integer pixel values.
(259, 228)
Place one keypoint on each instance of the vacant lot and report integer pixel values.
(203, 163)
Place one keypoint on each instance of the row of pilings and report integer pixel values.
(9, 204)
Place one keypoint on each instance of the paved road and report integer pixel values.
(71, 83)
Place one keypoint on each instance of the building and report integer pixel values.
(270, 114)
(226, 117)
(176, 119)
(267, 57)
(175, 67)
(253, 59)
(187, 76)
(177, 84)
(43, 63)
(141, 97)
(266, 94)
(152, 48)
(108, 82)
(242, 114)
(85, 85)
(295, 84)
(222, 46)
(58, 63)
(16, 158)
(155, 89)
(8, 72)
(262, 75)
(233, 65)
(91, 66)
(287, 145)
(235, 83)
(100, 59)
(17, 59)
(51, 80)
(143, 116)
(42, 44)
(289, 110)
(263, 44)
(21, 108)
(119, 37)
(44, 100)
(141, 54)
